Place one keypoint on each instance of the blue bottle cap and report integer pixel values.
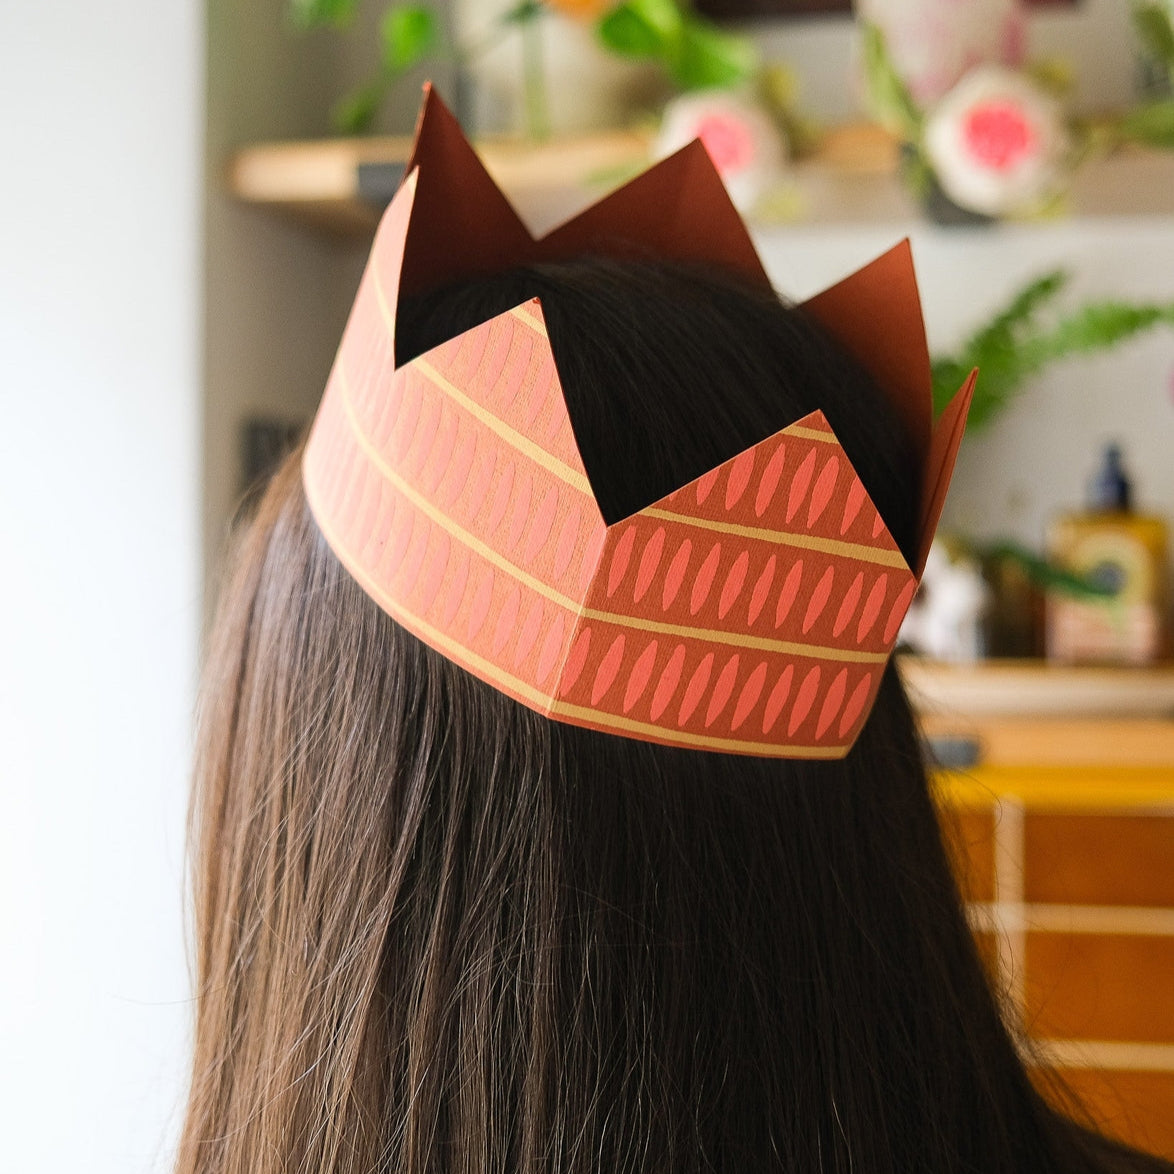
(1111, 489)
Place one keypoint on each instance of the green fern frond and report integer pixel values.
(1014, 346)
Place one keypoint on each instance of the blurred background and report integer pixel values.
(189, 192)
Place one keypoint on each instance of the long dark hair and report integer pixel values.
(437, 932)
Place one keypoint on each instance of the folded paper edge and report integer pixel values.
(904, 380)
(947, 437)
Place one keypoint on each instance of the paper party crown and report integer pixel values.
(751, 611)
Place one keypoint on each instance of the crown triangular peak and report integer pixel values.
(876, 314)
(463, 225)
(503, 372)
(798, 480)
(677, 208)
(378, 295)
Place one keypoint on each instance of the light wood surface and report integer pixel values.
(1032, 689)
(852, 179)
(1017, 714)
(1051, 741)
(319, 181)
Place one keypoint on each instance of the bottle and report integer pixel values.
(1120, 550)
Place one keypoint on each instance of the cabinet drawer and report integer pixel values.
(1134, 1107)
(1099, 986)
(1075, 858)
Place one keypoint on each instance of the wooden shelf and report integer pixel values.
(1030, 689)
(341, 186)
(1009, 715)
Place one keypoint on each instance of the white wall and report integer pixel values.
(271, 322)
(100, 145)
(276, 295)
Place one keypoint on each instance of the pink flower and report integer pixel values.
(998, 143)
(728, 140)
(746, 147)
(999, 135)
(933, 43)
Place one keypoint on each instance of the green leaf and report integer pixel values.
(998, 350)
(354, 113)
(917, 173)
(310, 14)
(1020, 312)
(1013, 346)
(1044, 574)
(407, 34)
(1152, 22)
(708, 57)
(948, 376)
(891, 100)
(1152, 124)
(643, 28)
(1098, 326)
(665, 16)
(1056, 75)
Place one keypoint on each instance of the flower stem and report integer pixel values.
(534, 78)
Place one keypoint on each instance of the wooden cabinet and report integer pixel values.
(1063, 834)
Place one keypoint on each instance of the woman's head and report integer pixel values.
(438, 931)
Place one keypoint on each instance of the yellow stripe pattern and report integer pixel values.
(537, 699)
(528, 319)
(510, 435)
(385, 310)
(761, 643)
(865, 554)
(811, 434)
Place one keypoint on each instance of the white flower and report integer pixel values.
(998, 143)
(932, 44)
(746, 146)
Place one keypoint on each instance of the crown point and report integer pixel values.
(462, 226)
(876, 314)
(677, 208)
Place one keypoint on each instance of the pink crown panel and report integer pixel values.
(452, 489)
(751, 611)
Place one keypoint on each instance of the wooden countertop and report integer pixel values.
(1048, 736)
(1071, 788)
(1023, 688)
